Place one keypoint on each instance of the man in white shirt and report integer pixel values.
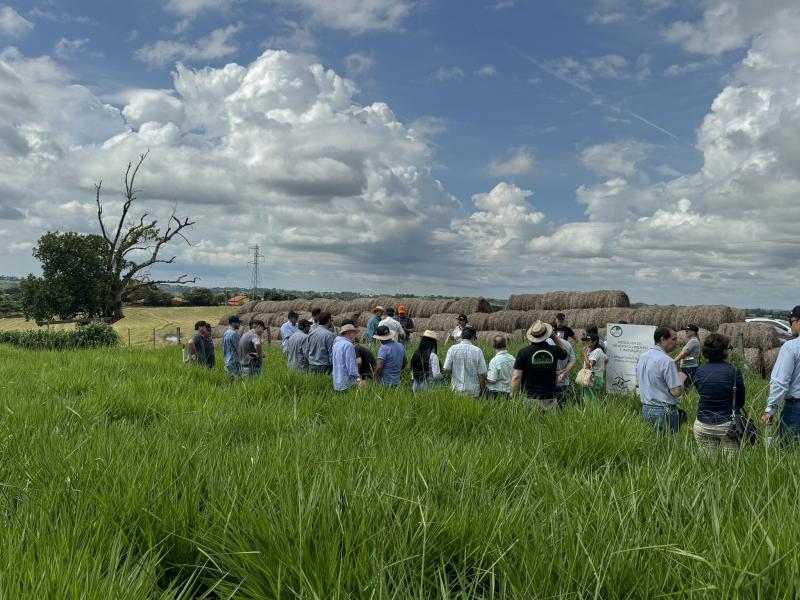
(660, 384)
(393, 325)
(466, 364)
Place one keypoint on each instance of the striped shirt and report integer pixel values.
(466, 362)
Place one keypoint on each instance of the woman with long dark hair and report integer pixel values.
(425, 367)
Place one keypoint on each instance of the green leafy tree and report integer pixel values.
(199, 297)
(9, 306)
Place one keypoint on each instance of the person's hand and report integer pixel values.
(766, 418)
(682, 376)
(561, 375)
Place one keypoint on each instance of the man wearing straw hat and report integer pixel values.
(373, 323)
(536, 365)
(345, 369)
(466, 364)
(784, 385)
(391, 357)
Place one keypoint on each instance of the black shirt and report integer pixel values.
(564, 332)
(715, 383)
(367, 366)
(538, 364)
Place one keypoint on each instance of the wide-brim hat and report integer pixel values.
(430, 334)
(390, 335)
(346, 328)
(539, 332)
(378, 309)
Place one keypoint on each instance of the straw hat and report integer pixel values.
(430, 334)
(346, 328)
(378, 309)
(539, 332)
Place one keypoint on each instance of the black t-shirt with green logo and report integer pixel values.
(538, 364)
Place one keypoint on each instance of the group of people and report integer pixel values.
(539, 373)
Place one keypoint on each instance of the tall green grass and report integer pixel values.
(125, 474)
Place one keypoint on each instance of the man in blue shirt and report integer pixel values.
(288, 328)
(784, 385)
(391, 357)
(660, 384)
(373, 323)
(345, 367)
(230, 346)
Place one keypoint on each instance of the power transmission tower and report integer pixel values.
(256, 276)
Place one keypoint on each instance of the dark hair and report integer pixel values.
(662, 333)
(469, 333)
(715, 347)
(390, 311)
(561, 316)
(499, 342)
(256, 323)
(315, 311)
(303, 323)
(421, 360)
(200, 324)
(463, 317)
(348, 322)
(293, 313)
(324, 318)
(592, 329)
(234, 319)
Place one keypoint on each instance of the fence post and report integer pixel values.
(129, 337)
(178, 335)
(269, 336)
(740, 343)
(154, 338)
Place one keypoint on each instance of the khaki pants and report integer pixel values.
(545, 404)
(714, 438)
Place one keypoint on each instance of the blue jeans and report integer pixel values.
(789, 425)
(691, 376)
(665, 419)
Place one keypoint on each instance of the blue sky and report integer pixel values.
(482, 147)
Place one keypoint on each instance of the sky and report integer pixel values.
(473, 147)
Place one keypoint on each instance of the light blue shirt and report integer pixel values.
(657, 374)
(498, 377)
(372, 325)
(287, 329)
(230, 348)
(785, 379)
(345, 369)
(392, 354)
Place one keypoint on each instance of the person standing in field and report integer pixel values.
(315, 313)
(601, 343)
(501, 368)
(319, 346)
(722, 393)
(426, 371)
(563, 330)
(372, 324)
(365, 360)
(230, 347)
(296, 347)
(689, 356)
(784, 385)
(393, 324)
(461, 322)
(406, 322)
(595, 359)
(288, 328)
(466, 365)
(200, 351)
(251, 355)
(563, 369)
(660, 385)
(345, 369)
(391, 357)
(535, 366)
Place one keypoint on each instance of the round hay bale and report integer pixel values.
(709, 316)
(470, 305)
(754, 335)
(426, 308)
(701, 335)
(504, 320)
(443, 322)
(338, 320)
(768, 359)
(479, 320)
(568, 300)
(487, 336)
(753, 361)
(218, 331)
(421, 324)
(248, 307)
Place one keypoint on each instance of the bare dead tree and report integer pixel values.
(125, 274)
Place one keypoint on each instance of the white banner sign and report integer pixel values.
(624, 345)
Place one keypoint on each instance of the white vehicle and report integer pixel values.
(781, 326)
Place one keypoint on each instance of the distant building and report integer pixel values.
(179, 300)
(238, 300)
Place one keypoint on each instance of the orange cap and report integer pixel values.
(401, 309)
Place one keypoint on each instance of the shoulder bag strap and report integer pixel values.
(733, 399)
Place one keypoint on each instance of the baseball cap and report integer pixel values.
(692, 327)
(401, 309)
(234, 319)
(591, 337)
(795, 312)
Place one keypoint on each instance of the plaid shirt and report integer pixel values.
(466, 362)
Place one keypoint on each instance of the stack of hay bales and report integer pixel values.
(569, 300)
(760, 341)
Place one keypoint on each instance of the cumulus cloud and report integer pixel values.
(519, 162)
(615, 158)
(12, 24)
(214, 46)
(356, 16)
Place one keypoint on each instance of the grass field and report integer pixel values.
(142, 324)
(125, 474)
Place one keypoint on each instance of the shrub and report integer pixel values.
(92, 335)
